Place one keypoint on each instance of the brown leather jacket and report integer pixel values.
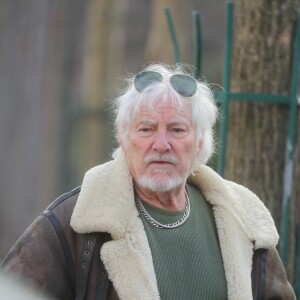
(51, 256)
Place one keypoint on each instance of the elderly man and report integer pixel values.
(155, 222)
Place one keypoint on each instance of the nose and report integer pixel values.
(161, 143)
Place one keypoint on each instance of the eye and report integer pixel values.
(145, 129)
(178, 130)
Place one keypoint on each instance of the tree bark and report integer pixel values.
(262, 62)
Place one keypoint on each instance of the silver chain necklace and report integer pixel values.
(157, 224)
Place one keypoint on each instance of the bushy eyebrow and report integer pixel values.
(147, 123)
(179, 123)
(169, 124)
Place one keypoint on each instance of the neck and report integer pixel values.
(170, 200)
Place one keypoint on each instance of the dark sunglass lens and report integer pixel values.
(144, 79)
(184, 85)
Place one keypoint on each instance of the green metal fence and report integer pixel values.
(227, 96)
(290, 100)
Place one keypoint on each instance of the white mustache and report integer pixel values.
(163, 158)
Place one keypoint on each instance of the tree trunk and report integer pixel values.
(262, 62)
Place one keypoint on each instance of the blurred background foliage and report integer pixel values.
(62, 61)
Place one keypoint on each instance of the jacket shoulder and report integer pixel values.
(269, 279)
(45, 254)
(65, 201)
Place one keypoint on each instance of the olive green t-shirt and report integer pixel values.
(187, 259)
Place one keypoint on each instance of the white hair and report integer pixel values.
(204, 109)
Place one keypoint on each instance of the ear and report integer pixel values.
(200, 143)
(121, 141)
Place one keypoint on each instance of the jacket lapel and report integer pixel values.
(106, 204)
(243, 223)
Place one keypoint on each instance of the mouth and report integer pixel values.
(160, 163)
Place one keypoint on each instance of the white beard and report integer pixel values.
(160, 185)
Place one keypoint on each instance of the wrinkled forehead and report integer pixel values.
(165, 106)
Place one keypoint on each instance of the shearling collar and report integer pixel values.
(239, 202)
(106, 204)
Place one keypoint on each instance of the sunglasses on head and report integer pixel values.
(184, 85)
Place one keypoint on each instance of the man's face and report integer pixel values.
(161, 147)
